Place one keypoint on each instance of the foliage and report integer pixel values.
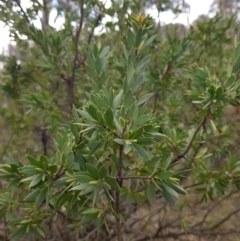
(134, 118)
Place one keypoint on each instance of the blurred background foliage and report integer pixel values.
(46, 73)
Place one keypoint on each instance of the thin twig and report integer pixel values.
(199, 146)
(23, 12)
(223, 220)
(152, 212)
(165, 74)
(117, 194)
(181, 155)
(211, 209)
(59, 173)
(89, 234)
(77, 36)
(70, 80)
(139, 177)
(131, 170)
(193, 185)
(63, 215)
(98, 19)
(5, 149)
(7, 145)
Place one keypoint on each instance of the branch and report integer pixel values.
(63, 215)
(23, 12)
(165, 74)
(89, 234)
(139, 177)
(98, 19)
(45, 15)
(70, 80)
(5, 149)
(117, 193)
(109, 130)
(131, 170)
(211, 209)
(193, 185)
(59, 173)
(149, 214)
(223, 220)
(199, 146)
(44, 140)
(181, 155)
(77, 36)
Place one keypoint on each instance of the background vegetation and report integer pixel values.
(130, 127)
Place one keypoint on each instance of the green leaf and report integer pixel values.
(92, 170)
(90, 188)
(44, 161)
(117, 99)
(98, 65)
(105, 51)
(119, 141)
(102, 172)
(7, 196)
(145, 141)
(127, 149)
(122, 121)
(230, 81)
(177, 188)
(53, 168)
(61, 181)
(111, 181)
(151, 193)
(141, 150)
(40, 231)
(168, 161)
(18, 233)
(84, 178)
(91, 210)
(130, 38)
(36, 180)
(130, 72)
(143, 64)
(80, 187)
(70, 158)
(164, 175)
(109, 118)
(237, 52)
(41, 197)
(88, 129)
(29, 170)
(236, 67)
(85, 115)
(92, 111)
(33, 161)
(169, 197)
(138, 37)
(139, 81)
(140, 121)
(118, 126)
(32, 195)
(170, 190)
(136, 134)
(75, 131)
(89, 218)
(75, 114)
(144, 98)
(124, 50)
(229, 67)
(149, 41)
(128, 100)
(28, 179)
